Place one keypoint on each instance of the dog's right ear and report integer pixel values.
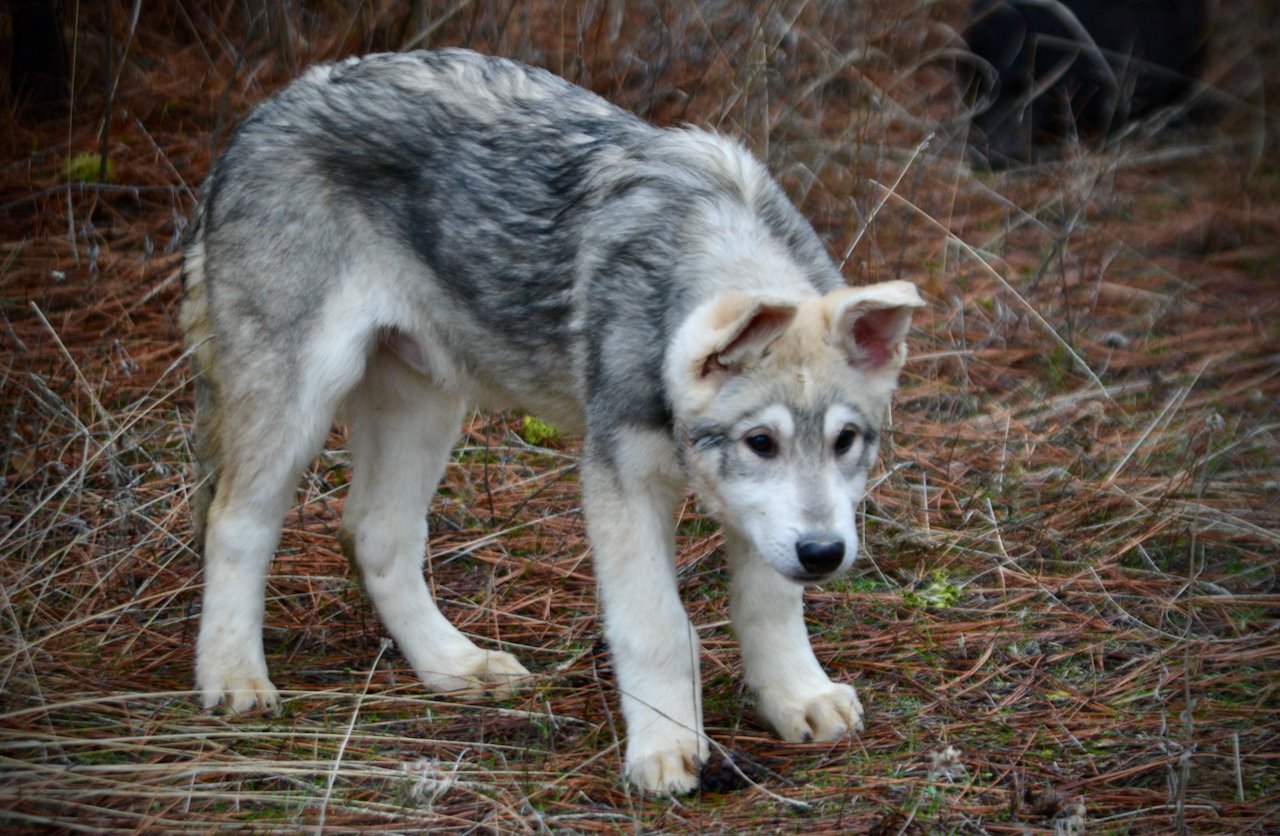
(724, 336)
(740, 329)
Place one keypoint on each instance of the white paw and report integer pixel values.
(491, 671)
(672, 771)
(501, 672)
(240, 692)
(828, 714)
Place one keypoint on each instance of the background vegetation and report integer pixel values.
(1067, 613)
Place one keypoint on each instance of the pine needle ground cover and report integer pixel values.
(1067, 614)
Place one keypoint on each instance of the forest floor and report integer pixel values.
(1066, 617)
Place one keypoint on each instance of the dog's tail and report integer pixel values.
(197, 324)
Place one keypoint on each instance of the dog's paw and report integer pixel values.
(485, 671)
(671, 771)
(828, 714)
(501, 673)
(239, 693)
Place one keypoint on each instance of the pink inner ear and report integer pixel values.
(874, 333)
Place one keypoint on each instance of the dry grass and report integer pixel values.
(1074, 540)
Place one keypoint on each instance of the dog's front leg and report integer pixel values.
(793, 693)
(654, 646)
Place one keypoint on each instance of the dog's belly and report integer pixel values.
(548, 391)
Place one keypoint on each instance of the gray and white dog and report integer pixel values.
(392, 238)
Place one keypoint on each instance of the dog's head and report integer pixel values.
(778, 406)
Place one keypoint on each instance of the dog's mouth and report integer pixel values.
(805, 576)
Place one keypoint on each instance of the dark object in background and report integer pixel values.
(38, 65)
(1051, 83)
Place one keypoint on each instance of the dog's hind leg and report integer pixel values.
(402, 429)
(243, 528)
(272, 402)
(268, 433)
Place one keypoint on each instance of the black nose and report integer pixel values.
(820, 556)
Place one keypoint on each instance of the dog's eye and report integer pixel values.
(763, 445)
(844, 441)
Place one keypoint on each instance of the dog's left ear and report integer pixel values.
(870, 324)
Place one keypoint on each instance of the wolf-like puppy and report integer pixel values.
(392, 238)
